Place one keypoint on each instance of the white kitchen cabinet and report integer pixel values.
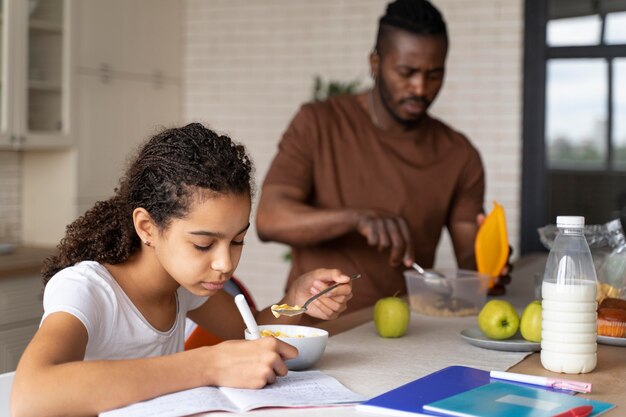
(21, 309)
(117, 116)
(128, 85)
(131, 38)
(35, 75)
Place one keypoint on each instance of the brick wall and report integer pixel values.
(249, 65)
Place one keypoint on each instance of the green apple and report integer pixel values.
(530, 324)
(391, 316)
(498, 320)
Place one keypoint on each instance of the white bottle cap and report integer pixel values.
(572, 222)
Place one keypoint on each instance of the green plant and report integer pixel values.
(325, 89)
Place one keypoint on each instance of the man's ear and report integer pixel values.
(374, 63)
(144, 226)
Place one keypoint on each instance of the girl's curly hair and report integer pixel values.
(164, 177)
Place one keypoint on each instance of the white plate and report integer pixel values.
(515, 344)
(615, 341)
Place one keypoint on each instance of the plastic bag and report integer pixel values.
(613, 271)
(597, 235)
(608, 250)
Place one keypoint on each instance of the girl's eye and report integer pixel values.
(203, 248)
(237, 242)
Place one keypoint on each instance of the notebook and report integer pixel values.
(501, 399)
(297, 389)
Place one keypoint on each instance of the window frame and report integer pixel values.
(534, 165)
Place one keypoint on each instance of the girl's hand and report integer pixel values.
(328, 306)
(247, 363)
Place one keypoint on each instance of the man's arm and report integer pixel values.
(283, 216)
(463, 235)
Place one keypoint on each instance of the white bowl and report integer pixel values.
(310, 342)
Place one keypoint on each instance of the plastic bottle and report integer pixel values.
(569, 318)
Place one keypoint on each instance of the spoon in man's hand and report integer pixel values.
(290, 311)
(435, 280)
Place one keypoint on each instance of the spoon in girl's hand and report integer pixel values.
(248, 318)
(290, 311)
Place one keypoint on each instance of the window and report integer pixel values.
(576, 116)
(615, 28)
(583, 30)
(619, 113)
(574, 113)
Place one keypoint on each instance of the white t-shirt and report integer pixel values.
(115, 327)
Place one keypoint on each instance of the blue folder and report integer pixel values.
(409, 399)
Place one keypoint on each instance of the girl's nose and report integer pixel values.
(222, 261)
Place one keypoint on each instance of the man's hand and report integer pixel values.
(387, 231)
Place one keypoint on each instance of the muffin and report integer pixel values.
(612, 318)
(613, 303)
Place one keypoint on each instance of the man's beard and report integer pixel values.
(385, 98)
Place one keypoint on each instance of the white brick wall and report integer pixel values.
(249, 65)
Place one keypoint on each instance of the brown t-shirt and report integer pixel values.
(432, 177)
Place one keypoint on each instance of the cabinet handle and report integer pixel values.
(105, 73)
(157, 79)
(17, 140)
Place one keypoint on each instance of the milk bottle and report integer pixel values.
(568, 334)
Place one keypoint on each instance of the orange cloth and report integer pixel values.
(200, 337)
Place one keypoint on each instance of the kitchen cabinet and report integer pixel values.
(35, 74)
(131, 38)
(116, 117)
(21, 309)
(128, 87)
(126, 84)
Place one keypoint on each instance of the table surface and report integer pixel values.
(370, 365)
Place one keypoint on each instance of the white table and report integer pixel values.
(370, 365)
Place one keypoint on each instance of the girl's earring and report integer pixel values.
(146, 242)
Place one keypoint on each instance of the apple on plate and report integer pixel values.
(530, 324)
(498, 320)
(391, 316)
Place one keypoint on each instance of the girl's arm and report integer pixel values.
(231, 325)
(53, 379)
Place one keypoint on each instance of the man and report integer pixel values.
(366, 182)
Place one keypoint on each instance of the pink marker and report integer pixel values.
(543, 381)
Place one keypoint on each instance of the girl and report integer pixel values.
(133, 267)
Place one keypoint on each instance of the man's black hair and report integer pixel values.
(416, 16)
